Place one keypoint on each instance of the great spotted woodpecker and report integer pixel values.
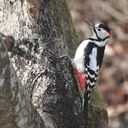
(88, 59)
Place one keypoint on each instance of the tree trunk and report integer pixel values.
(44, 41)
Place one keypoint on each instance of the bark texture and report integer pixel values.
(44, 40)
(16, 109)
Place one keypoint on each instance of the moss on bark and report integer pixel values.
(64, 25)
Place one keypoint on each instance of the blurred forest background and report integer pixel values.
(113, 79)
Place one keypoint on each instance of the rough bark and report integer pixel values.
(45, 41)
(16, 109)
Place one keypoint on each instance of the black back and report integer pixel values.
(88, 50)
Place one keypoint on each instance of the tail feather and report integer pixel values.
(87, 96)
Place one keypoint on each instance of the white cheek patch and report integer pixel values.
(102, 34)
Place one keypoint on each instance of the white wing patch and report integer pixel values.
(93, 62)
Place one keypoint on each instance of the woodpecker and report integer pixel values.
(88, 59)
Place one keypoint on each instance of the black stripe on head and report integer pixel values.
(105, 27)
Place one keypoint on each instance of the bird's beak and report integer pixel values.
(88, 22)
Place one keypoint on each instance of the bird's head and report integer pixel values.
(101, 33)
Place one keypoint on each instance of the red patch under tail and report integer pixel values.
(81, 79)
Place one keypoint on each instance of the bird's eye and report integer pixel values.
(99, 29)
